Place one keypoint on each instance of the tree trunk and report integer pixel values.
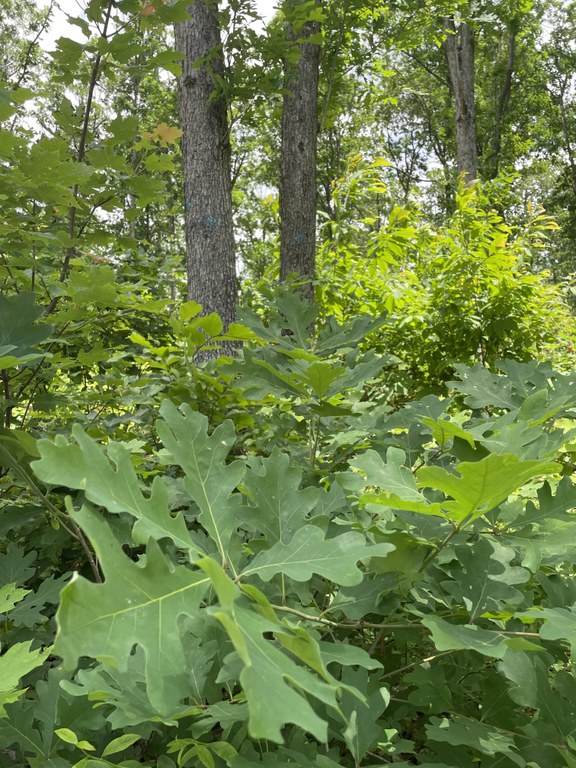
(560, 99)
(460, 57)
(298, 160)
(493, 164)
(206, 154)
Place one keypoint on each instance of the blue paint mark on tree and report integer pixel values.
(210, 222)
(300, 239)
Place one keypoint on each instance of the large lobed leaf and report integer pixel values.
(276, 687)
(138, 604)
(309, 552)
(209, 480)
(85, 466)
(481, 485)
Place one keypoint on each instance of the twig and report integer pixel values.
(427, 660)
(71, 251)
(32, 45)
(76, 532)
(344, 624)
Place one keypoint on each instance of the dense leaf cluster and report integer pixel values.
(289, 558)
(341, 583)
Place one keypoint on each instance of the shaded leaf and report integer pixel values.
(454, 637)
(276, 687)
(486, 739)
(278, 508)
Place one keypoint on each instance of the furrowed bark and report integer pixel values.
(459, 49)
(298, 194)
(206, 157)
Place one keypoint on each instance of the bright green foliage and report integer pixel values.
(17, 662)
(457, 294)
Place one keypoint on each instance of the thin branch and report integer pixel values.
(443, 81)
(28, 56)
(344, 624)
(94, 76)
(415, 664)
(76, 533)
(435, 552)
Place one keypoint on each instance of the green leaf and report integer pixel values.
(66, 735)
(481, 485)
(552, 506)
(334, 337)
(364, 728)
(309, 552)
(121, 743)
(558, 624)
(19, 334)
(14, 664)
(401, 491)
(123, 129)
(96, 284)
(278, 508)
(464, 731)
(16, 565)
(485, 581)
(551, 698)
(392, 475)
(276, 688)
(138, 604)
(444, 430)
(19, 730)
(209, 480)
(10, 594)
(483, 388)
(321, 376)
(452, 637)
(28, 612)
(70, 738)
(123, 692)
(347, 655)
(86, 467)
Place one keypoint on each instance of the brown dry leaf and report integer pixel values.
(166, 134)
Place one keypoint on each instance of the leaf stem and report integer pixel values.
(435, 552)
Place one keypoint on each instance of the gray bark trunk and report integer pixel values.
(560, 99)
(459, 48)
(211, 264)
(493, 164)
(297, 185)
